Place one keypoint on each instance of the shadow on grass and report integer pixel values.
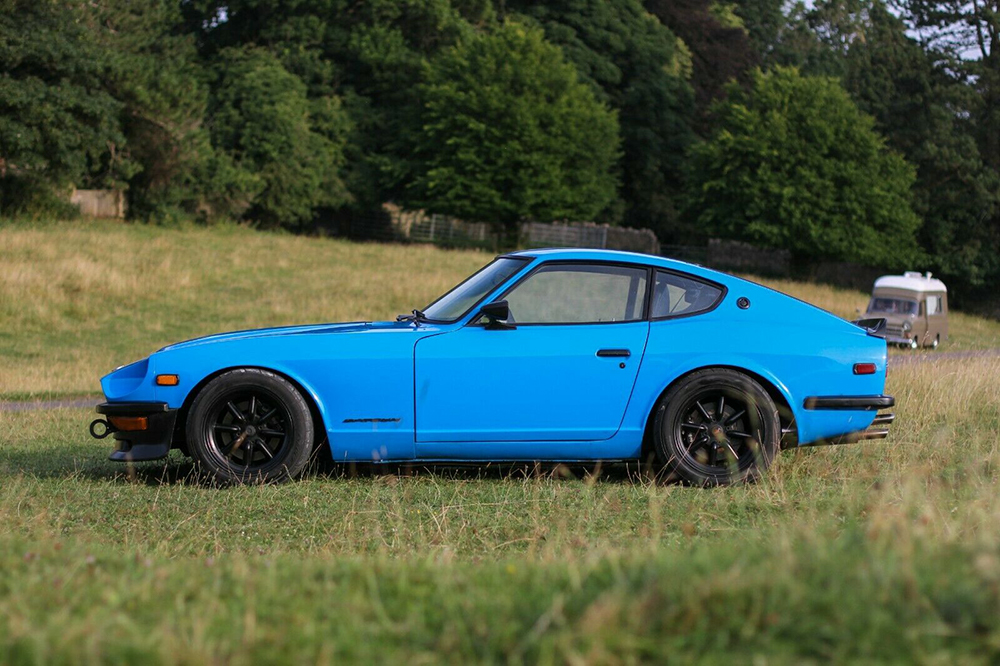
(184, 471)
(67, 462)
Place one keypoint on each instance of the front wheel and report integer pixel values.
(717, 427)
(250, 425)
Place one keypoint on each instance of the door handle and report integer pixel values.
(614, 353)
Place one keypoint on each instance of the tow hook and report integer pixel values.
(99, 428)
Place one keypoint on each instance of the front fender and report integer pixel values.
(194, 378)
(361, 382)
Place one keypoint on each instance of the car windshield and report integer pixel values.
(460, 300)
(892, 306)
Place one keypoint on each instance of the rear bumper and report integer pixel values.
(151, 443)
(873, 432)
(877, 429)
(865, 403)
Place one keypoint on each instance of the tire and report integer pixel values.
(937, 341)
(250, 425)
(914, 343)
(747, 443)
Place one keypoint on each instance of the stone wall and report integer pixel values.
(739, 257)
(588, 234)
(99, 203)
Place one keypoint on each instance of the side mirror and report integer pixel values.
(497, 312)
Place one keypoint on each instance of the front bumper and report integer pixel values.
(898, 340)
(152, 442)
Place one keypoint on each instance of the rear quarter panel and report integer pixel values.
(800, 350)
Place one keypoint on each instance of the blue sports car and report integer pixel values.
(541, 355)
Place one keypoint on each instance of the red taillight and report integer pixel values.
(864, 368)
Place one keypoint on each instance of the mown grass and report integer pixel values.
(78, 299)
(883, 551)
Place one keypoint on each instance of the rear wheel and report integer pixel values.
(250, 425)
(937, 341)
(717, 427)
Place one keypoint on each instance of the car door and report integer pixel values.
(562, 372)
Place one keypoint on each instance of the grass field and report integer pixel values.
(77, 300)
(872, 552)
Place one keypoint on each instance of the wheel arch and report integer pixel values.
(315, 409)
(781, 400)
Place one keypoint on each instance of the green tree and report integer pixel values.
(764, 22)
(369, 54)
(640, 68)
(156, 73)
(58, 124)
(794, 164)
(287, 150)
(508, 131)
(813, 37)
(924, 114)
(968, 33)
(964, 37)
(720, 47)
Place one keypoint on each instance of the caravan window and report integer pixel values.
(933, 305)
(883, 305)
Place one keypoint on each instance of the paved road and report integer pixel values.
(48, 404)
(902, 358)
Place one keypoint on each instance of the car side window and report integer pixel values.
(675, 295)
(933, 305)
(579, 294)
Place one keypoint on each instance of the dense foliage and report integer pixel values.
(793, 164)
(57, 122)
(292, 113)
(509, 132)
(641, 68)
(286, 149)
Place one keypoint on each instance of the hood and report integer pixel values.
(351, 327)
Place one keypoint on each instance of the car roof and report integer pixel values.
(597, 254)
(638, 258)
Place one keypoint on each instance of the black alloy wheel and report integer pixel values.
(250, 425)
(249, 429)
(717, 427)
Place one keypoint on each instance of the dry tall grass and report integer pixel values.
(78, 299)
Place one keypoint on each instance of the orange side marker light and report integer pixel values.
(129, 423)
(167, 380)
